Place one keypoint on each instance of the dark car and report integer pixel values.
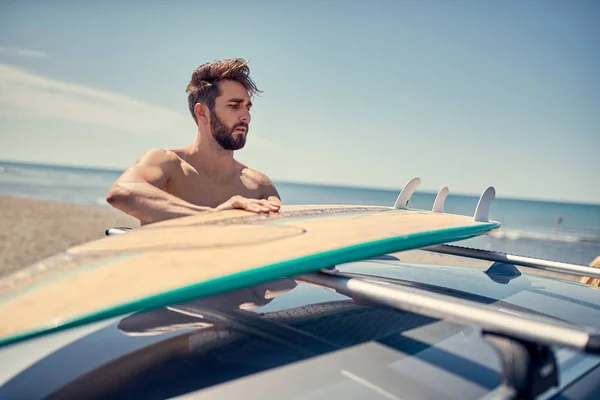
(321, 336)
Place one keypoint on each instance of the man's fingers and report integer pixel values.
(262, 207)
(253, 205)
(241, 203)
(269, 209)
(249, 205)
(269, 204)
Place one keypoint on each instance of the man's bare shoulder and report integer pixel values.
(262, 182)
(159, 157)
(155, 166)
(256, 177)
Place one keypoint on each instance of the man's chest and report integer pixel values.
(197, 189)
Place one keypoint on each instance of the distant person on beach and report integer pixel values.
(589, 280)
(203, 176)
(559, 221)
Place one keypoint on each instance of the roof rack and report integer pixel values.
(523, 344)
(459, 310)
(530, 262)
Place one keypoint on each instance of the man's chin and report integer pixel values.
(234, 146)
(240, 142)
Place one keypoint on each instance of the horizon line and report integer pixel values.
(306, 183)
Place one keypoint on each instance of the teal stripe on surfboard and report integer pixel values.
(283, 269)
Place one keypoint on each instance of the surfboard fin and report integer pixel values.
(438, 204)
(407, 192)
(482, 212)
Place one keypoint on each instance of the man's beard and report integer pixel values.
(224, 135)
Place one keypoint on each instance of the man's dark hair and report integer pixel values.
(204, 86)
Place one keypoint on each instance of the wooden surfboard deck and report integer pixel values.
(187, 258)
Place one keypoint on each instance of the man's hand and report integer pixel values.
(252, 205)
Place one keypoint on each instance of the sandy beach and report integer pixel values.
(31, 230)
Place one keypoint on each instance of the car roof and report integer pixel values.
(297, 339)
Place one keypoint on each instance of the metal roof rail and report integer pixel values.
(523, 344)
(441, 306)
(117, 230)
(537, 263)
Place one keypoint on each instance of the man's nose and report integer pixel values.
(246, 117)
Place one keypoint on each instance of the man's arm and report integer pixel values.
(140, 190)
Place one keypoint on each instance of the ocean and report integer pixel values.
(528, 227)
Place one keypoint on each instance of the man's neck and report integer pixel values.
(207, 155)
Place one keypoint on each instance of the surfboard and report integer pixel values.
(192, 257)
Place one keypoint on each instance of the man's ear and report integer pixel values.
(201, 113)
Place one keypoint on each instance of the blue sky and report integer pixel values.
(465, 94)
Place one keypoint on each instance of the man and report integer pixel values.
(203, 176)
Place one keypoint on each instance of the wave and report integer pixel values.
(549, 236)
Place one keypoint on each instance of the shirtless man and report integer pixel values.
(203, 176)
